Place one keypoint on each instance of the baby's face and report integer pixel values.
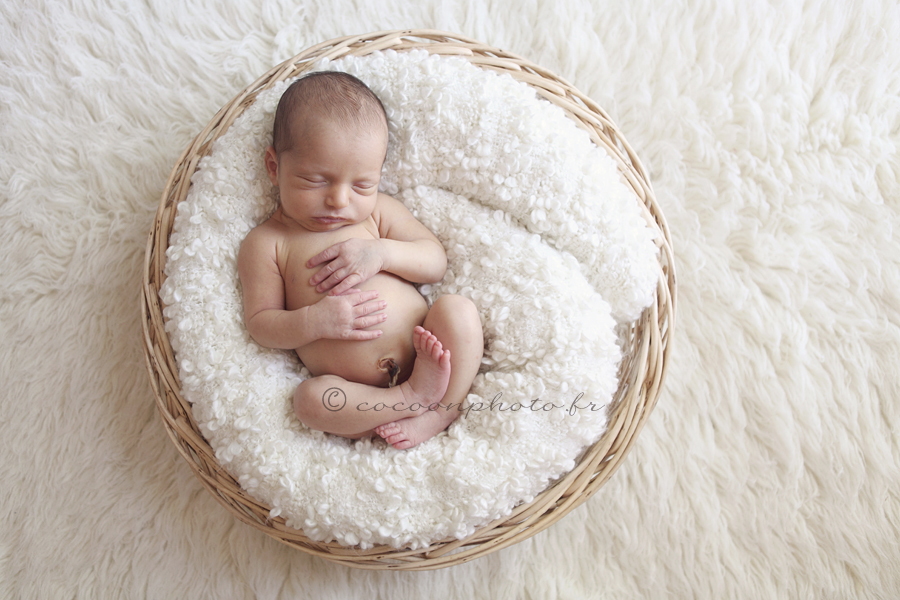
(331, 178)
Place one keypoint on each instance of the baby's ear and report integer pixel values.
(272, 165)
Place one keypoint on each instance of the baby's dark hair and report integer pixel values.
(332, 94)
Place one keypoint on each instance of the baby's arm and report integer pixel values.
(406, 248)
(271, 325)
(411, 250)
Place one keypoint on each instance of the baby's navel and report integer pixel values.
(390, 366)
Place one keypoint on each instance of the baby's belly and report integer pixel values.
(364, 361)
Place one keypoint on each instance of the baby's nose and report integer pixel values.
(339, 196)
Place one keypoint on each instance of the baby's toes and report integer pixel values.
(428, 342)
(387, 429)
(398, 439)
(419, 340)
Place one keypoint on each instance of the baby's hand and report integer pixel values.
(346, 317)
(348, 264)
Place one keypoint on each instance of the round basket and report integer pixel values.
(641, 372)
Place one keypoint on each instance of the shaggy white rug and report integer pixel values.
(770, 466)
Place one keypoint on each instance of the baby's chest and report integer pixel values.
(296, 252)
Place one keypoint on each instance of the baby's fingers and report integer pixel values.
(365, 308)
(369, 321)
(325, 255)
(348, 282)
(361, 296)
(360, 335)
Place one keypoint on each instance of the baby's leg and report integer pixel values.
(332, 404)
(456, 323)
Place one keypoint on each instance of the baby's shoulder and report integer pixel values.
(268, 229)
(395, 221)
(262, 239)
(387, 203)
(388, 210)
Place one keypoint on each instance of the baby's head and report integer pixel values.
(326, 98)
(329, 145)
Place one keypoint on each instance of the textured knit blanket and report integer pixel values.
(540, 230)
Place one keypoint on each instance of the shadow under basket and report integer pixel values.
(646, 341)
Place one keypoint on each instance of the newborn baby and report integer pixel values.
(329, 275)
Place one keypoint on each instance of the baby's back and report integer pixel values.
(359, 361)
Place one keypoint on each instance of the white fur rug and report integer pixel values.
(770, 466)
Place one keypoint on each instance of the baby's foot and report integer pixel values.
(431, 372)
(425, 387)
(412, 431)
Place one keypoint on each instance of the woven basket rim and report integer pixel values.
(641, 372)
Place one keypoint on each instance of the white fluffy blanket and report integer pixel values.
(770, 466)
(541, 233)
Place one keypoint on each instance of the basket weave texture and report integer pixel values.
(640, 375)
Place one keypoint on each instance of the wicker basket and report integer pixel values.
(640, 375)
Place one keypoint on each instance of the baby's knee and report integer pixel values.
(317, 398)
(457, 308)
(455, 321)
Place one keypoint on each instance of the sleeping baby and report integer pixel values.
(330, 275)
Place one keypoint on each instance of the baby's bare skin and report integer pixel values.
(329, 275)
(400, 307)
